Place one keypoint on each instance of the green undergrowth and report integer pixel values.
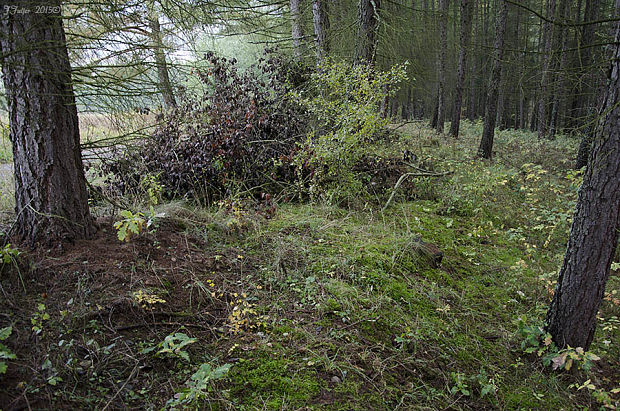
(356, 319)
(335, 308)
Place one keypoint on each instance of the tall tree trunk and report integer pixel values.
(367, 31)
(165, 86)
(571, 319)
(471, 102)
(579, 111)
(465, 33)
(557, 99)
(486, 143)
(544, 79)
(320, 21)
(579, 106)
(297, 29)
(501, 100)
(443, 49)
(50, 187)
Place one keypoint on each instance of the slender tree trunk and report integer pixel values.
(471, 101)
(435, 115)
(571, 319)
(50, 187)
(466, 17)
(579, 111)
(297, 29)
(488, 132)
(557, 99)
(165, 86)
(443, 48)
(368, 24)
(544, 79)
(501, 100)
(320, 21)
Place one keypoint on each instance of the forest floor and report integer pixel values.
(317, 306)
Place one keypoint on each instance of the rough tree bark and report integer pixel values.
(486, 143)
(571, 319)
(320, 21)
(50, 187)
(165, 86)
(297, 29)
(465, 32)
(367, 31)
(443, 47)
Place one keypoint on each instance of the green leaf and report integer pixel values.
(485, 390)
(3, 367)
(5, 332)
(122, 233)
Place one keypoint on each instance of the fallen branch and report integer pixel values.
(132, 326)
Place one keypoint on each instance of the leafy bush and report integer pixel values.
(260, 131)
(226, 140)
(348, 121)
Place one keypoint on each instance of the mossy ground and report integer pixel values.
(336, 310)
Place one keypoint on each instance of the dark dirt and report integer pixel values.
(97, 326)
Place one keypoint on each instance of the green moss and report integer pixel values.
(275, 382)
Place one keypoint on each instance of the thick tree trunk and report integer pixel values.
(571, 319)
(466, 12)
(50, 187)
(443, 47)
(486, 143)
(544, 78)
(297, 29)
(367, 31)
(165, 86)
(320, 21)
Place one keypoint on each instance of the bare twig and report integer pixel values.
(135, 368)
(404, 176)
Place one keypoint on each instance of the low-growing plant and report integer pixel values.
(536, 340)
(8, 254)
(198, 386)
(131, 224)
(39, 318)
(5, 352)
(172, 346)
(147, 299)
(136, 223)
(460, 384)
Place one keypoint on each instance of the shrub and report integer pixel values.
(347, 123)
(227, 140)
(274, 128)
